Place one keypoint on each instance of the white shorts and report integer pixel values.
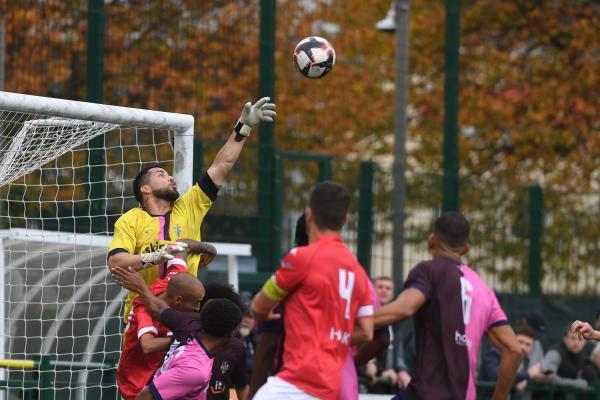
(276, 388)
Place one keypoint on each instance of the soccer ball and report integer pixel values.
(314, 57)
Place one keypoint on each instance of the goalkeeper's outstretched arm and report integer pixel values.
(252, 115)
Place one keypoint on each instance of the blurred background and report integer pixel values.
(524, 166)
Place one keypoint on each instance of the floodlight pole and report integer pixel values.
(399, 169)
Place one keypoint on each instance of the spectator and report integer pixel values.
(597, 321)
(565, 363)
(384, 287)
(528, 369)
(535, 321)
(383, 374)
(246, 334)
(268, 335)
(591, 369)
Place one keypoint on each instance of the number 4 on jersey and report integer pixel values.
(346, 286)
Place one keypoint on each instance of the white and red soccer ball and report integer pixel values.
(314, 57)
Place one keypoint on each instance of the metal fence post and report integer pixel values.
(365, 215)
(198, 158)
(45, 378)
(95, 85)
(2, 68)
(266, 144)
(450, 186)
(325, 169)
(109, 380)
(277, 209)
(536, 225)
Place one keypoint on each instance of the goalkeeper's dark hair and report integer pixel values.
(216, 290)
(220, 317)
(141, 179)
(453, 229)
(329, 202)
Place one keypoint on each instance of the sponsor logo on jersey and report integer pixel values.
(461, 339)
(339, 335)
(177, 229)
(224, 367)
(218, 387)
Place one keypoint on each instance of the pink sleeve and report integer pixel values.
(374, 298)
(496, 315)
(178, 381)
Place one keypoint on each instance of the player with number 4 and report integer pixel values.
(453, 309)
(328, 303)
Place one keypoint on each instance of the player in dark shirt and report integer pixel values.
(229, 367)
(269, 342)
(452, 310)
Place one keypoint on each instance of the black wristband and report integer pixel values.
(238, 128)
(239, 136)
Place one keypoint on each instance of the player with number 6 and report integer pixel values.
(452, 310)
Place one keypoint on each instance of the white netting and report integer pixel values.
(60, 302)
(27, 146)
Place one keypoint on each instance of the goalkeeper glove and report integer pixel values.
(165, 253)
(252, 115)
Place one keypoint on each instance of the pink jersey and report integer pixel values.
(478, 316)
(459, 309)
(349, 378)
(185, 375)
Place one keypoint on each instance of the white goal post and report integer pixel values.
(60, 323)
(182, 125)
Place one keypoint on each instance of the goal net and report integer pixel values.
(60, 194)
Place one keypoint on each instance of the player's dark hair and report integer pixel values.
(384, 278)
(329, 202)
(452, 228)
(141, 179)
(525, 331)
(219, 317)
(216, 290)
(301, 235)
(597, 315)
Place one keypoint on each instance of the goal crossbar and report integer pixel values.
(94, 112)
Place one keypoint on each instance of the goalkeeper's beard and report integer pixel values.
(167, 194)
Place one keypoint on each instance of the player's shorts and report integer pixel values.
(276, 388)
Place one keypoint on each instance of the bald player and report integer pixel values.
(146, 340)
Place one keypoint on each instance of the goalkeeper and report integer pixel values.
(146, 237)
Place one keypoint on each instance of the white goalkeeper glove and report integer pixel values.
(165, 253)
(252, 115)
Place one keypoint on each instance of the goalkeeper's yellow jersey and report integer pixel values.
(137, 231)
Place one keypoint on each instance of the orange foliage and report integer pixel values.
(529, 75)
